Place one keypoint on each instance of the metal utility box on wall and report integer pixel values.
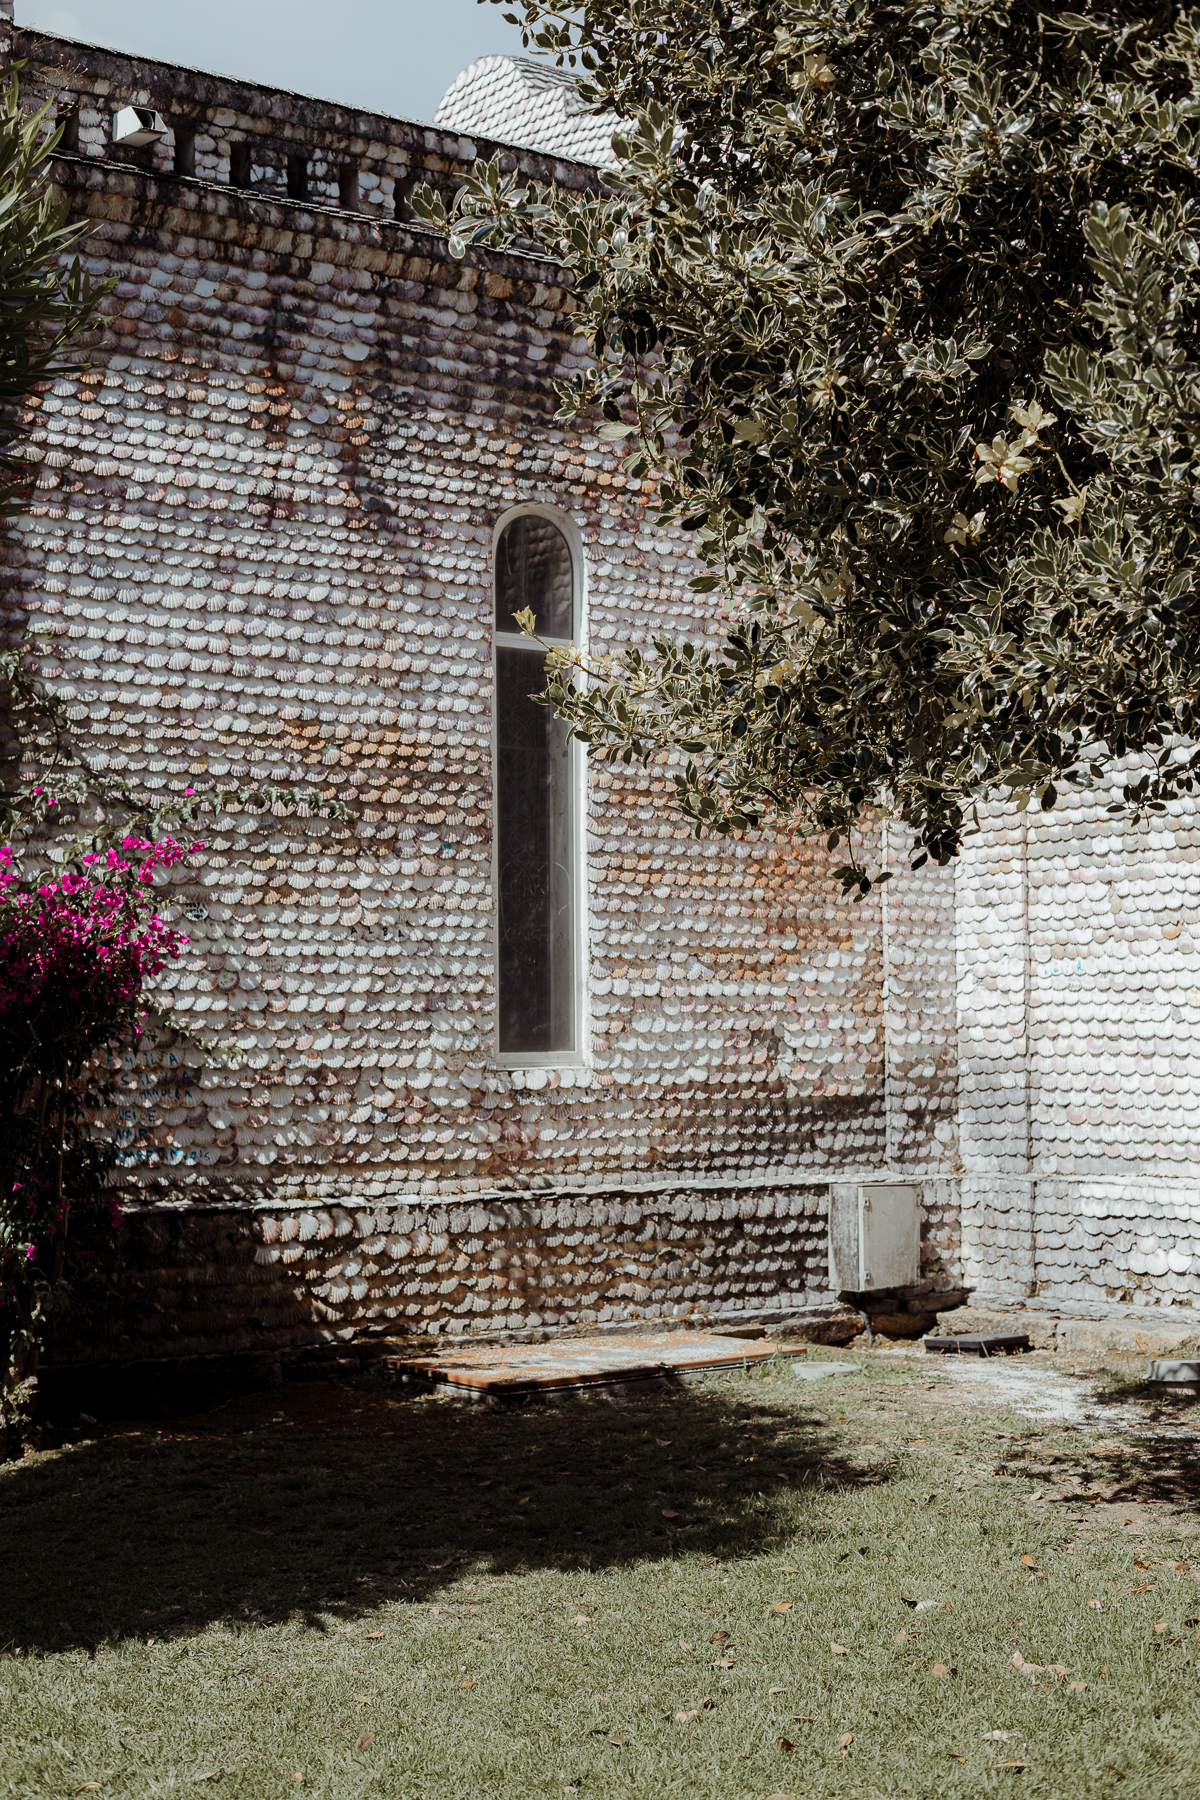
(134, 126)
(874, 1236)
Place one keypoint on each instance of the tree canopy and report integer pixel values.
(46, 300)
(895, 308)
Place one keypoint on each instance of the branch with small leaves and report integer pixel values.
(894, 313)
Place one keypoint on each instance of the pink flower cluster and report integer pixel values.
(80, 947)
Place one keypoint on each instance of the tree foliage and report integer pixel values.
(47, 300)
(896, 308)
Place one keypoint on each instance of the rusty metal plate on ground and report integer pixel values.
(581, 1362)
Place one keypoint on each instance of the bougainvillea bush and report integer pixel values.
(77, 950)
(83, 855)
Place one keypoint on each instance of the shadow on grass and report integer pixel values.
(323, 1500)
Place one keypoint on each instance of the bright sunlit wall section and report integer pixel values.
(538, 862)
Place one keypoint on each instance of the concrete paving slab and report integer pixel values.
(813, 1371)
(584, 1362)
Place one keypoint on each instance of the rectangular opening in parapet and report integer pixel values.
(185, 151)
(297, 177)
(404, 194)
(67, 120)
(239, 165)
(348, 189)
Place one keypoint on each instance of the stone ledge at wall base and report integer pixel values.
(1049, 1331)
(219, 1277)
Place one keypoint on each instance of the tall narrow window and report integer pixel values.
(535, 826)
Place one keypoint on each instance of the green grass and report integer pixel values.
(338, 1590)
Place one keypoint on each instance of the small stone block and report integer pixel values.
(978, 1343)
(1173, 1370)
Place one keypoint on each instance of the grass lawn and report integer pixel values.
(338, 1590)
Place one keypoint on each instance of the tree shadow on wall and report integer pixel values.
(322, 1500)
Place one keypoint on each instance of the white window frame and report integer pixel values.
(580, 1056)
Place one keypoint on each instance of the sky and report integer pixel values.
(389, 56)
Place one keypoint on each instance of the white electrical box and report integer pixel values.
(136, 125)
(874, 1236)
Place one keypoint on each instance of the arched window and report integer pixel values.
(536, 884)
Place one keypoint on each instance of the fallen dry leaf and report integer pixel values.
(775, 1690)
(1095, 1605)
(582, 1619)
(1010, 1764)
(373, 1634)
(839, 1649)
(208, 1775)
(668, 1514)
(364, 1740)
(725, 1662)
(940, 1669)
(779, 1606)
(1029, 1562)
(1077, 1687)
(720, 1637)
(847, 1737)
(1181, 1568)
(1119, 1773)
(84, 1785)
(1026, 1668)
(786, 1744)
(466, 1684)
(1162, 1626)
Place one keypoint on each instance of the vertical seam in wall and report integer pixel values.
(1026, 1008)
(884, 924)
(1026, 994)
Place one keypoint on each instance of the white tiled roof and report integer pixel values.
(528, 104)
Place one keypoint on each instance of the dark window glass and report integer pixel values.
(534, 827)
(533, 568)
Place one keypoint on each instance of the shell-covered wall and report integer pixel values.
(1079, 1035)
(260, 550)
